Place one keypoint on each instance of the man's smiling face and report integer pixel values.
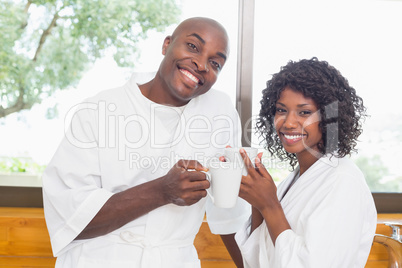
(194, 56)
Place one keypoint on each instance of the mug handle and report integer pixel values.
(209, 190)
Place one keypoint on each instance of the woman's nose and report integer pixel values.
(290, 120)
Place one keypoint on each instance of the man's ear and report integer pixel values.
(166, 43)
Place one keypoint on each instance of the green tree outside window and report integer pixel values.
(39, 56)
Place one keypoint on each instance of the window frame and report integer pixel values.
(385, 202)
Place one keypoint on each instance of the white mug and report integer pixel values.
(233, 155)
(225, 180)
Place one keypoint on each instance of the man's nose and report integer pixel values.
(201, 64)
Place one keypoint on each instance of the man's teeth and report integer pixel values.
(189, 75)
(293, 137)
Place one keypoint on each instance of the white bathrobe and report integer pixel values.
(120, 139)
(332, 217)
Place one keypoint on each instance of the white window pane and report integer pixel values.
(31, 135)
(363, 40)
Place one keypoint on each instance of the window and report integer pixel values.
(28, 139)
(362, 40)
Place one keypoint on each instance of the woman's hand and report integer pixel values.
(222, 158)
(257, 187)
(259, 190)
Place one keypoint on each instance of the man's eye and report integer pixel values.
(216, 65)
(192, 46)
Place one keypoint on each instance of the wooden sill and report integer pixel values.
(25, 242)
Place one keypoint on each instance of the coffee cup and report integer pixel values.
(225, 180)
(233, 155)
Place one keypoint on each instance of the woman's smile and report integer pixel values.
(291, 138)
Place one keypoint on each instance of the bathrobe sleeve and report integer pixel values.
(72, 190)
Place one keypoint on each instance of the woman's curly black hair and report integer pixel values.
(341, 109)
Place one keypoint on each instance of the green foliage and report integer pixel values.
(20, 164)
(375, 171)
(278, 169)
(49, 52)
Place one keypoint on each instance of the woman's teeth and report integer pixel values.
(292, 137)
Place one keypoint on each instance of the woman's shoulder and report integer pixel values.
(337, 165)
(345, 172)
(346, 165)
(333, 170)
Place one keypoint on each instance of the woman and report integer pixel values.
(322, 214)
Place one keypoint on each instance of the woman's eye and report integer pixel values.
(280, 110)
(305, 113)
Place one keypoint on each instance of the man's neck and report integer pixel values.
(153, 90)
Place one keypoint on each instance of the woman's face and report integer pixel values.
(296, 122)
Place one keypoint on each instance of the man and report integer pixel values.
(126, 187)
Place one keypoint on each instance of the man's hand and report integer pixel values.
(185, 184)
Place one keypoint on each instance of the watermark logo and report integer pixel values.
(90, 125)
(100, 125)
